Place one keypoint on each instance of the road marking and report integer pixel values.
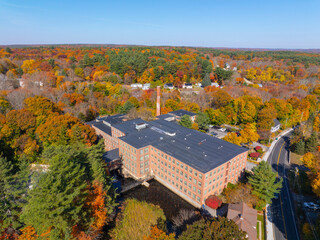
(284, 222)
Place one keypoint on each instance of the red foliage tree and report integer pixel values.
(213, 202)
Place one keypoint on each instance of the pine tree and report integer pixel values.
(206, 81)
(185, 121)
(203, 121)
(13, 188)
(264, 182)
(57, 199)
(311, 143)
(300, 147)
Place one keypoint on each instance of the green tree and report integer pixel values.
(218, 229)
(264, 182)
(8, 50)
(13, 188)
(57, 198)
(312, 143)
(222, 75)
(206, 81)
(203, 121)
(185, 121)
(299, 148)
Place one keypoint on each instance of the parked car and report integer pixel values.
(222, 129)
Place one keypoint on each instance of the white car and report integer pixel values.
(222, 129)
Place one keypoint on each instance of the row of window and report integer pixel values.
(181, 188)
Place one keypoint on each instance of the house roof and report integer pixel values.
(245, 217)
(181, 112)
(276, 122)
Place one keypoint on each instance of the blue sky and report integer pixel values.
(232, 23)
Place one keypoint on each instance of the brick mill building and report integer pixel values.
(192, 164)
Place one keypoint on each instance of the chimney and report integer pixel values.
(158, 101)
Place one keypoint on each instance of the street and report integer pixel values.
(282, 209)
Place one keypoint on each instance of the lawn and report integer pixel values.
(260, 218)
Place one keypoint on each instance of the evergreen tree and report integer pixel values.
(57, 199)
(185, 121)
(311, 143)
(206, 81)
(264, 182)
(13, 188)
(300, 147)
(203, 121)
(222, 75)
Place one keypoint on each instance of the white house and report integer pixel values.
(187, 85)
(169, 86)
(146, 86)
(276, 125)
(136, 85)
(214, 84)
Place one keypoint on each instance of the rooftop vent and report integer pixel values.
(188, 147)
(161, 138)
(140, 126)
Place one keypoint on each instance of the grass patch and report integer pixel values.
(295, 159)
(261, 219)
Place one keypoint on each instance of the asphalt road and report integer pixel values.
(283, 213)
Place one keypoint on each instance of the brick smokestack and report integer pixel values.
(158, 101)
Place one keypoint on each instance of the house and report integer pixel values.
(276, 125)
(169, 86)
(146, 86)
(199, 84)
(215, 84)
(227, 66)
(235, 69)
(136, 85)
(245, 217)
(179, 113)
(187, 85)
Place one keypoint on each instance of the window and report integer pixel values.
(190, 178)
(141, 158)
(199, 183)
(173, 168)
(193, 196)
(195, 173)
(198, 199)
(146, 157)
(199, 191)
(185, 183)
(169, 166)
(172, 175)
(200, 176)
(173, 161)
(186, 168)
(190, 170)
(194, 189)
(169, 159)
(141, 151)
(165, 156)
(195, 181)
(165, 163)
(146, 150)
(177, 163)
(181, 165)
(186, 176)
(206, 176)
(181, 173)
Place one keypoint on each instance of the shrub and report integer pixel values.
(257, 148)
(254, 155)
(213, 202)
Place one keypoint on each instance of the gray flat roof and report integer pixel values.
(128, 126)
(198, 150)
(111, 155)
(182, 112)
(100, 125)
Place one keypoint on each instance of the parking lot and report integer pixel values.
(216, 132)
